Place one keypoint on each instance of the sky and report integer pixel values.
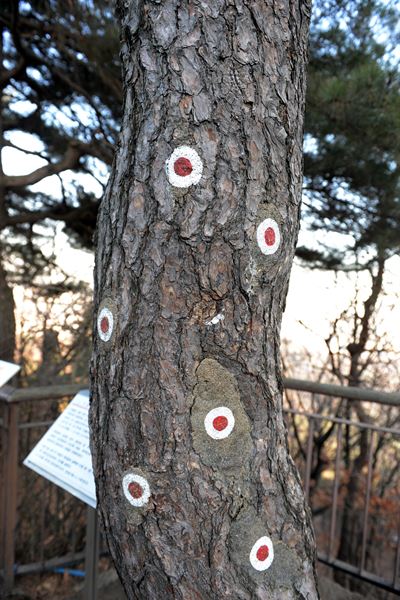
(316, 298)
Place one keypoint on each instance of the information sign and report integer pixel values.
(63, 454)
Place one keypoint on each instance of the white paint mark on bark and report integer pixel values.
(105, 324)
(262, 554)
(268, 236)
(215, 320)
(136, 489)
(184, 167)
(219, 422)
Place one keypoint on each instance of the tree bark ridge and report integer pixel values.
(197, 304)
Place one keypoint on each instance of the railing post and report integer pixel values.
(91, 554)
(10, 471)
(309, 456)
(367, 502)
(397, 558)
(338, 459)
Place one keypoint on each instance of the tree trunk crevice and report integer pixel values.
(195, 280)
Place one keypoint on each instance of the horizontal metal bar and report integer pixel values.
(33, 424)
(8, 394)
(61, 561)
(363, 575)
(49, 392)
(357, 424)
(341, 391)
(47, 565)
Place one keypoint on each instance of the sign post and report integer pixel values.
(10, 466)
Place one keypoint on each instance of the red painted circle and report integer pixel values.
(220, 423)
(269, 236)
(183, 166)
(104, 324)
(262, 553)
(135, 490)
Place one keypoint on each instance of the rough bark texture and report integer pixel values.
(227, 79)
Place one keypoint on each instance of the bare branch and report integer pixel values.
(69, 161)
(8, 75)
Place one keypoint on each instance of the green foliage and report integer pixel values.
(353, 131)
(63, 86)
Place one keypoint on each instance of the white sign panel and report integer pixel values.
(7, 370)
(63, 454)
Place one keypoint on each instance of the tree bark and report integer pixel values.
(190, 285)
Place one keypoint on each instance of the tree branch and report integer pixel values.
(7, 75)
(69, 161)
(58, 213)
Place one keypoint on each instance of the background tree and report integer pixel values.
(192, 271)
(380, 362)
(352, 194)
(61, 103)
(352, 135)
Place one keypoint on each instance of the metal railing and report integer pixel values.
(333, 430)
(13, 400)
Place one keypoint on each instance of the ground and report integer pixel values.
(65, 587)
(112, 590)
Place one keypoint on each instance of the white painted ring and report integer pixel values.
(184, 181)
(105, 336)
(220, 411)
(144, 484)
(266, 226)
(256, 563)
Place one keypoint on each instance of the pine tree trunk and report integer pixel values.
(196, 237)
